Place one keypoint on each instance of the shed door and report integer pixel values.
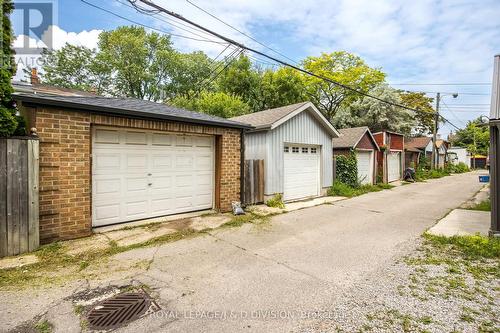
(393, 166)
(365, 166)
(138, 174)
(301, 171)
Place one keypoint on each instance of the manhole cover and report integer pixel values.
(120, 310)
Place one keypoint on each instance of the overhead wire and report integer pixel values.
(241, 32)
(147, 26)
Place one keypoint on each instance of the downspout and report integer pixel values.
(242, 165)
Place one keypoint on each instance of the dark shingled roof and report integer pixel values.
(128, 107)
(418, 142)
(266, 118)
(349, 137)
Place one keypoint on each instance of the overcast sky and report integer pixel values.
(419, 42)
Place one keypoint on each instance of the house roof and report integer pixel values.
(24, 87)
(350, 137)
(129, 107)
(272, 118)
(419, 142)
(441, 142)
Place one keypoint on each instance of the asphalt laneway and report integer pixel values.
(270, 277)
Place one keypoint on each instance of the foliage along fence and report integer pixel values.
(346, 169)
(19, 223)
(253, 182)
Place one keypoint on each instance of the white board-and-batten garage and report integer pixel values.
(295, 142)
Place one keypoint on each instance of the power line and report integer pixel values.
(441, 84)
(244, 47)
(167, 20)
(241, 32)
(147, 26)
(452, 113)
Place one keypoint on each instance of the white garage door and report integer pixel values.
(365, 166)
(139, 174)
(301, 172)
(394, 166)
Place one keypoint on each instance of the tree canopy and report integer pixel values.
(132, 62)
(475, 137)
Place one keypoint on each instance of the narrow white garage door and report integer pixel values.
(393, 166)
(139, 174)
(301, 172)
(365, 166)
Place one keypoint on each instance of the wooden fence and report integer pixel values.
(253, 182)
(18, 195)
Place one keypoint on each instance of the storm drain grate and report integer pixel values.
(120, 310)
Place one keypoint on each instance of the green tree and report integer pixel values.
(376, 114)
(475, 137)
(8, 121)
(418, 101)
(214, 103)
(281, 87)
(76, 67)
(342, 67)
(190, 74)
(141, 62)
(241, 79)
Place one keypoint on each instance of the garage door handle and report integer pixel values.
(149, 184)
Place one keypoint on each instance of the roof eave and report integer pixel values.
(123, 112)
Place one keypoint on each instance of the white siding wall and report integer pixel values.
(304, 129)
(256, 146)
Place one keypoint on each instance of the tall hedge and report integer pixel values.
(8, 120)
(347, 169)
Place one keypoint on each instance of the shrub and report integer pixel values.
(8, 122)
(344, 190)
(346, 169)
(276, 201)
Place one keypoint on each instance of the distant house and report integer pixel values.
(390, 158)
(295, 142)
(416, 148)
(361, 141)
(441, 149)
(459, 155)
(478, 161)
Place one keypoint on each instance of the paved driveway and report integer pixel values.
(297, 265)
(266, 278)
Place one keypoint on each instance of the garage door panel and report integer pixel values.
(162, 161)
(108, 213)
(135, 208)
(106, 136)
(365, 166)
(134, 161)
(135, 138)
(301, 172)
(150, 174)
(135, 184)
(162, 139)
(394, 166)
(107, 160)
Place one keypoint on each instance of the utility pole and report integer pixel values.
(434, 131)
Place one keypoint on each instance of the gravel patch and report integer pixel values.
(418, 293)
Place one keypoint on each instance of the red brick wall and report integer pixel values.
(65, 166)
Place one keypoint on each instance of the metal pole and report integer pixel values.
(434, 132)
(495, 149)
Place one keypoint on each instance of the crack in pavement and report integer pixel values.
(293, 269)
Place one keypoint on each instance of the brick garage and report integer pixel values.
(65, 131)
